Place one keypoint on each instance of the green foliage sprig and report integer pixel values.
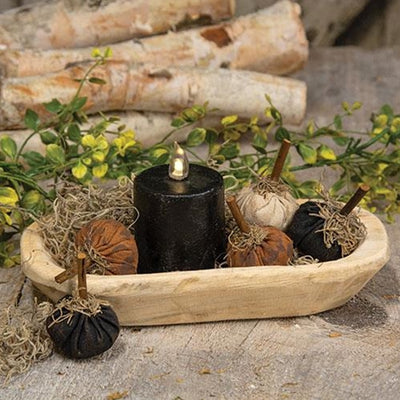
(81, 152)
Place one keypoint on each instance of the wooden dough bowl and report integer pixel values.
(220, 294)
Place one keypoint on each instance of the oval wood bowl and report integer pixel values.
(220, 294)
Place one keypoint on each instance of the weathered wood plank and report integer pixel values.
(11, 283)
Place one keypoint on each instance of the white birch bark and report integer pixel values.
(78, 23)
(271, 40)
(150, 128)
(151, 89)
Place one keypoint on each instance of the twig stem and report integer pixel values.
(82, 285)
(280, 160)
(233, 206)
(354, 200)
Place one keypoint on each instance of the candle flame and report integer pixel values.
(179, 164)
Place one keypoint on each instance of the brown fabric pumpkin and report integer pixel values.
(112, 242)
(275, 249)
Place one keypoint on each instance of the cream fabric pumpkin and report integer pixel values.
(267, 208)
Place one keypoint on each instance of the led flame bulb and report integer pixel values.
(179, 164)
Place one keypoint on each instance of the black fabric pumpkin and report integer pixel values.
(84, 336)
(303, 230)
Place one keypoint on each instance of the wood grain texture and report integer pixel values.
(79, 23)
(219, 294)
(281, 49)
(151, 88)
(352, 352)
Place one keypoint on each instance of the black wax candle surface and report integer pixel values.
(181, 224)
(306, 232)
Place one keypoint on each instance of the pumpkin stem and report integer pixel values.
(233, 206)
(280, 160)
(67, 274)
(82, 285)
(355, 199)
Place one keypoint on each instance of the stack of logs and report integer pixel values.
(160, 65)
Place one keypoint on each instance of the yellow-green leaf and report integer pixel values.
(96, 52)
(108, 52)
(102, 143)
(99, 171)
(33, 200)
(8, 262)
(215, 148)
(98, 156)
(308, 188)
(159, 152)
(230, 182)
(55, 153)
(326, 153)
(87, 161)
(395, 126)
(310, 128)
(253, 120)
(307, 153)
(8, 146)
(337, 186)
(88, 141)
(231, 134)
(268, 113)
(8, 196)
(7, 218)
(79, 171)
(31, 119)
(17, 218)
(230, 119)
(129, 134)
(345, 106)
(263, 169)
(196, 137)
(385, 191)
(380, 121)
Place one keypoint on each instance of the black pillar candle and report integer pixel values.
(181, 224)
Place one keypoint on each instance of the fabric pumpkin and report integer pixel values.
(306, 231)
(275, 249)
(81, 335)
(112, 242)
(268, 209)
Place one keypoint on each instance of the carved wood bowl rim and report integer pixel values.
(181, 288)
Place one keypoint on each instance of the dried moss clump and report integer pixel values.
(346, 230)
(67, 306)
(75, 206)
(24, 339)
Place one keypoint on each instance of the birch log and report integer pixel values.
(150, 128)
(151, 89)
(272, 40)
(78, 23)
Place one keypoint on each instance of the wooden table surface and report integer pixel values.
(352, 352)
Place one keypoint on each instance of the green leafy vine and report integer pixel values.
(75, 150)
